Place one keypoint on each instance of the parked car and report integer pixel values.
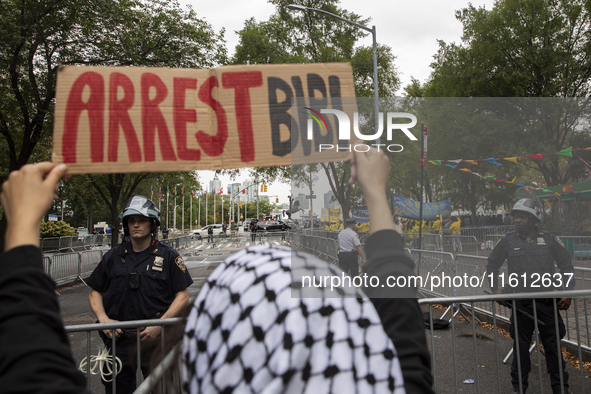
(202, 232)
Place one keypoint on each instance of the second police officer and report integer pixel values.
(349, 249)
(139, 279)
(530, 254)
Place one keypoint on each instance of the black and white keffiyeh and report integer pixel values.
(249, 332)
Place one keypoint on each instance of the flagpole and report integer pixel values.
(222, 207)
(191, 214)
(174, 210)
(167, 222)
(214, 201)
(183, 215)
(423, 158)
(199, 203)
(206, 193)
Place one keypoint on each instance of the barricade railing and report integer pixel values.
(481, 232)
(88, 262)
(579, 248)
(461, 244)
(136, 325)
(65, 268)
(47, 265)
(182, 242)
(50, 244)
(74, 243)
(431, 264)
(323, 247)
(488, 369)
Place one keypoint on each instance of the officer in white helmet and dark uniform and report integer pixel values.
(350, 248)
(530, 254)
(137, 279)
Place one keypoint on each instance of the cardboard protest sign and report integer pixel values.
(138, 119)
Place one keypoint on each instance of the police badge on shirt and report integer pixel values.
(158, 263)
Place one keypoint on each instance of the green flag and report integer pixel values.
(568, 152)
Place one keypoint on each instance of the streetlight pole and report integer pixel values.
(376, 96)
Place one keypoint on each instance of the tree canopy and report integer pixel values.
(36, 37)
(311, 37)
(536, 50)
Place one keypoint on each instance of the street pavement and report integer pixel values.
(202, 259)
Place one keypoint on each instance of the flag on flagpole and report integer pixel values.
(159, 194)
(192, 192)
(183, 191)
(199, 192)
(221, 190)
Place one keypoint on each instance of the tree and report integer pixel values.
(523, 48)
(36, 37)
(310, 37)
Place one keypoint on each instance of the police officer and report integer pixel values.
(253, 230)
(210, 234)
(349, 248)
(139, 279)
(530, 255)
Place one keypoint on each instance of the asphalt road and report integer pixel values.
(451, 372)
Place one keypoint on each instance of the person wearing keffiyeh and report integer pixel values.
(257, 328)
(254, 328)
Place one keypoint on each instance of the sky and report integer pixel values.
(411, 29)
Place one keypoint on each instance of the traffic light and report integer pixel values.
(265, 187)
(277, 200)
(262, 188)
(239, 204)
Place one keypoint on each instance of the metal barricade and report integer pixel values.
(482, 358)
(461, 244)
(466, 264)
(66, 243)
(50, 244)
(65, 268)
(91, 341)
(88, 261)
(47, 265)
(432, 264)
(579, 248)
(481, 232)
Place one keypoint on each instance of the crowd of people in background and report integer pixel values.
(449, 226)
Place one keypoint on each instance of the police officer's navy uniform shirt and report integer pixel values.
(348, 240)
(536, 255)
(163, 274)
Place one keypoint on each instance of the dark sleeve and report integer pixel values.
(563, 261)
(35, 353)
(401, 317)
(495, 261)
